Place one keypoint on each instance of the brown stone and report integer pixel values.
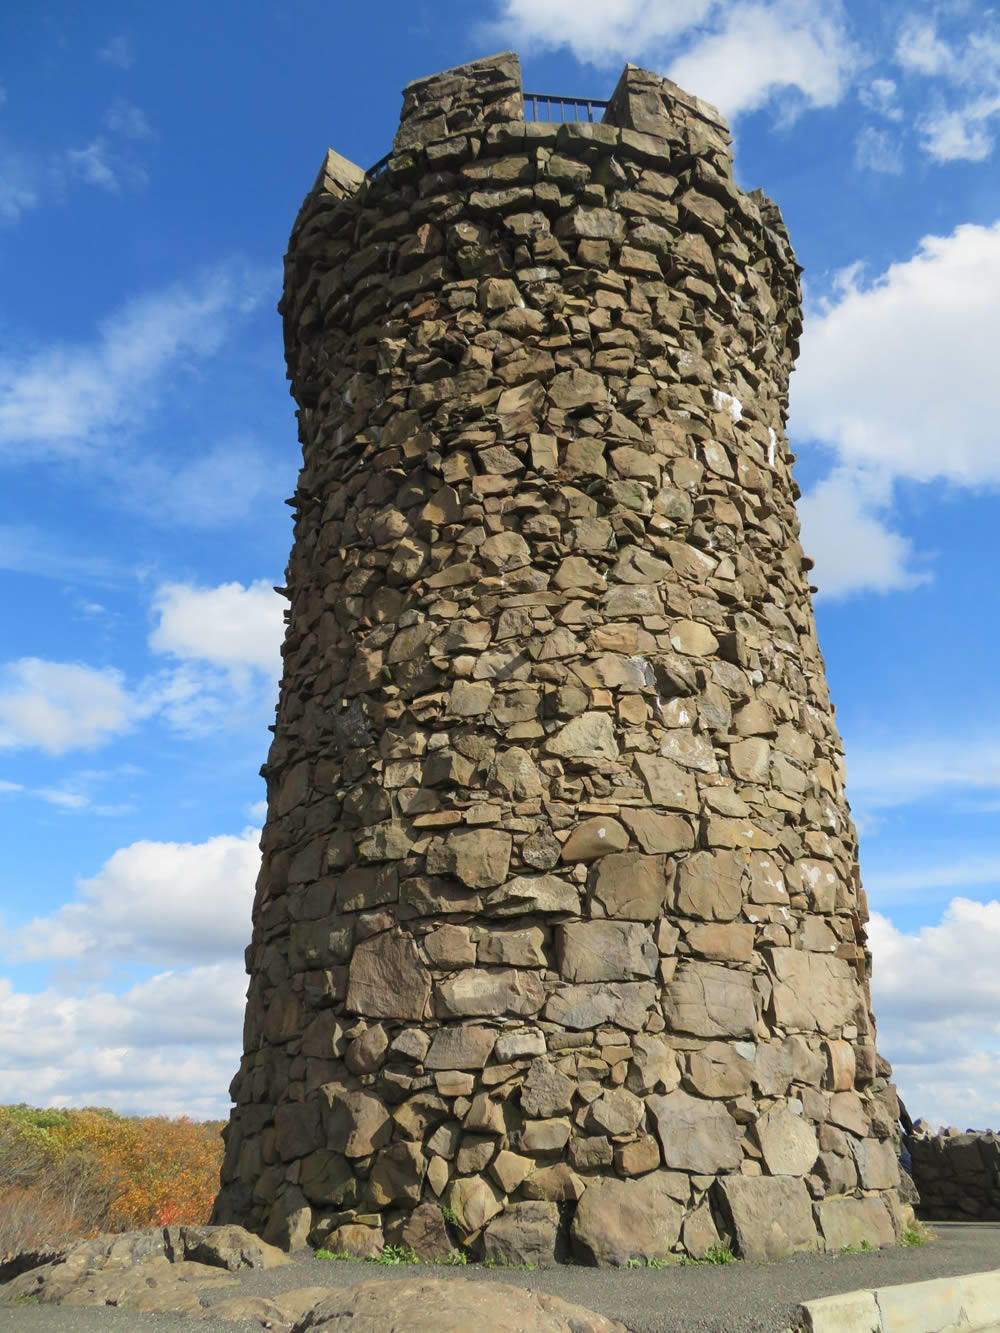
(624, 1003)
(766, 1217)
(659, 833)
(709, 885)
(452, 1305)
(473, 1200)
(618, 1220)
(461, 1046)
(387, 979)
(594, 838)
(605, 951)
(696, 1135)
(627, 884)
(355, 1122)
(546, 1092)
(709, 1000)
(721, 1069)
(524, 1235)
(850, 1222)
(493, 991)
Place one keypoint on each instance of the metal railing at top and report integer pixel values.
(581, 107)
(378, 167)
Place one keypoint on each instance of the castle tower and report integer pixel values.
(559, 935)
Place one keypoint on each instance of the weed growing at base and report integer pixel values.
(917, 1235)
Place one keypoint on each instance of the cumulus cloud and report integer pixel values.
(845, 529)
(739, 55)
(68, 399)
(942, 1035)
(896, 377)
(898, 373)
(60, 706)
(225, 642)
(163, 903)
(964, 97)
(168, 1045)
(228, 625)
(758, 52)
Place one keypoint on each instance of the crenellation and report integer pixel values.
(559, 900)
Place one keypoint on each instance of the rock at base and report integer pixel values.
(850, 1222)
(524, 1235)
(453, 1305)
(618, 1220)
(767, 1217)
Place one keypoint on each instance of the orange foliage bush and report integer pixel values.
(65, 1174)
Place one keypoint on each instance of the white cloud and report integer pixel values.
(737, 54)
(760, 51)
(844, 530)
(880, 96)
(165, 903)
(942, 1035)
(950, 136)
(921, 51)
(964, 99)
(59, 706)
(602, 32)
(878, 150)
(884, 773)
(167, 1046)
(118, 51)
(899, 375)
(127, 120)
(218, 487)
(67, 399)
(910, 884)
(91, 163)
(226, 641)
(229, 625)
(19, 186)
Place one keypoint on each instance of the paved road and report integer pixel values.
(738, 1298)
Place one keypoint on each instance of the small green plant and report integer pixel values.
(916, 1235)
(716, 1254)
(451, 1217)
(453, 1259)
(659, 1263)
(634, 1262)
(863, 1247)
(394, 1254)
(333, 1254)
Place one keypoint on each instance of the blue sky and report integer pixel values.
(152, 160)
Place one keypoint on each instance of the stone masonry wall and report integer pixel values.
(559, 937)
(957, 1175)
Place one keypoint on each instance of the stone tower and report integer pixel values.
(559, 936)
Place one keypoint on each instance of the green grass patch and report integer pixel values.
(717, 1254)
(917, 1235)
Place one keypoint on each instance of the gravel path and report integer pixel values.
(738, 1298)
